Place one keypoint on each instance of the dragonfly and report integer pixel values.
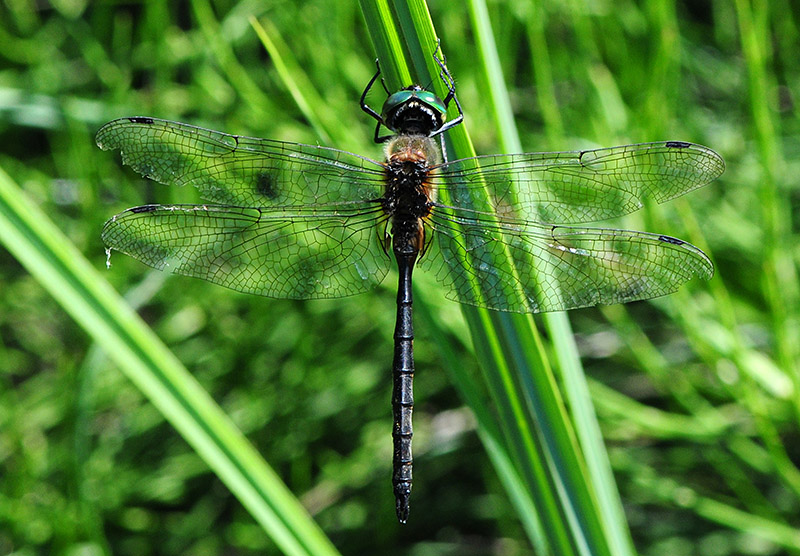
(295, 221)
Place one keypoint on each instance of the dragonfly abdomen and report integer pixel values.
(407, 200)
(402, 390)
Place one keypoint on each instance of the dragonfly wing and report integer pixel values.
(581, 186)
(555, 268)
(330, 251)
(243, 171)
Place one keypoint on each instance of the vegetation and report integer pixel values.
(696, 394)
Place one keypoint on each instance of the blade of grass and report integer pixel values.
(489, 432)
(30, 236)
(487, 344)
(303, 93)
(674, 492)
(536, 428)
(780, 273)
(587, 428)
(236, 74)
(388, 42)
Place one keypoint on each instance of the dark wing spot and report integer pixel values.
(265, 185)
(141, 120)
(144, 208)
(678, 144)
(672, 240)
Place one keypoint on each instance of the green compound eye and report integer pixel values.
(432, 100)
(395, 100)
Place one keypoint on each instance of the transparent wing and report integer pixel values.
(320, 252)
(314, 230)
(556, 268)
(581, 186)
(243, 171)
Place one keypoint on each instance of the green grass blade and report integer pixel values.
(29, 235)
(607, 509)
(780, 271)
(490, 433)
(236, 75)
(303, 92)
(535, 426)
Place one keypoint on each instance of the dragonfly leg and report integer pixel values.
(366, 107)
(369, 110)
(449, 82)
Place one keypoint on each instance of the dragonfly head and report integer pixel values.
(414, 111)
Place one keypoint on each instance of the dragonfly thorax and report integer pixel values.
(408, 197)
(413, 148)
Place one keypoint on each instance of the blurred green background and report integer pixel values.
(697, 394)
